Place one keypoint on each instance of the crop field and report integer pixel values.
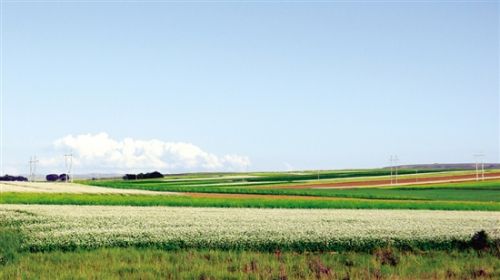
(469, 195)
(241, 200)
(288, 178)
(322, 179)
(471, 191)
(73, 227)
(252, 226)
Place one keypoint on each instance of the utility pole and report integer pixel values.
(479, 166)
(393, 159)
(477, 169)
(68, 162)
(396, 160)
(482, 167)
(33, 161)
(390, 162)
(30, 177)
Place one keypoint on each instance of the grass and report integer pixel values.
(10, 243)
(299, 202)
(135, 263)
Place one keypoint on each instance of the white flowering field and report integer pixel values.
(67, 227)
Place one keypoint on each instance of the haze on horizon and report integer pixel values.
(233, 86)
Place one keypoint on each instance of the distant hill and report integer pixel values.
(41, 177)
(448, 166)
(98, 176)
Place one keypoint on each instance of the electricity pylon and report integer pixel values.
(68, 162)
(33, 162)
(479, 166)
(393, 159)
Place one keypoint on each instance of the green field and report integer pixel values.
(449, 196)
(302, 202)
(268, 178)
(133, 263)
(468, 192)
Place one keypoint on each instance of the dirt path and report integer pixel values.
(387, 182)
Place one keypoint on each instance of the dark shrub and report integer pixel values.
(7, 178)
(480, 241)
(52, 177)
(152, 175)
(129, 177)
(64, 177)
(13, 178)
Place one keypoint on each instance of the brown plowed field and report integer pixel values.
(387, 182)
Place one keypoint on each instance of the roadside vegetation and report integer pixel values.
(10, 243)
(137, 263)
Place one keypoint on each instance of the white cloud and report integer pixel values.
(101, 153)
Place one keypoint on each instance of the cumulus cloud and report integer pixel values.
(94, 152)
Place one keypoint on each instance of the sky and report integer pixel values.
(244, 86)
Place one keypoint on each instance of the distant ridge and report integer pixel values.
(98, 176)
(448, 166)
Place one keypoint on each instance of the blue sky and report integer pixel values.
(248, 86)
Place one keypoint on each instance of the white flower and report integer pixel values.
(53, 226)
